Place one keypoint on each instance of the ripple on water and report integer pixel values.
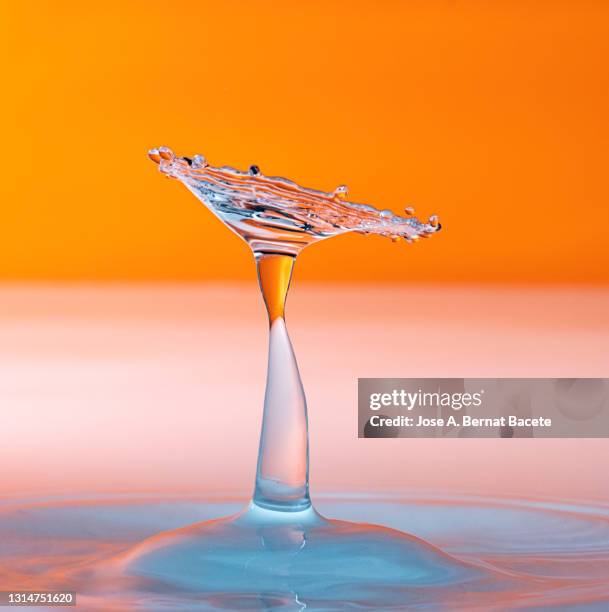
(457, 553)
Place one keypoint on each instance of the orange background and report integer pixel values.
(494, 115)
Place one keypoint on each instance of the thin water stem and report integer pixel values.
(282, 474)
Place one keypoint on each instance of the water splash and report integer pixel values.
(280, 541)
(275, 215)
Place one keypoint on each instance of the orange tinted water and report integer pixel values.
(275, 215)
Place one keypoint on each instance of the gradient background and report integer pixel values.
(132, 341)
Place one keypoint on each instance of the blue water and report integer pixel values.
(463, 553)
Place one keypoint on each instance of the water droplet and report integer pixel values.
(153, 154)
(198, 161)
(433, 220)
(409, 210)
(254, 170)
(386, 214)
(166, 153)
(341, 192)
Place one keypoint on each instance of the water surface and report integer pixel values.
(497, 554)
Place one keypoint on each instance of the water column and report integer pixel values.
(282, 473)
